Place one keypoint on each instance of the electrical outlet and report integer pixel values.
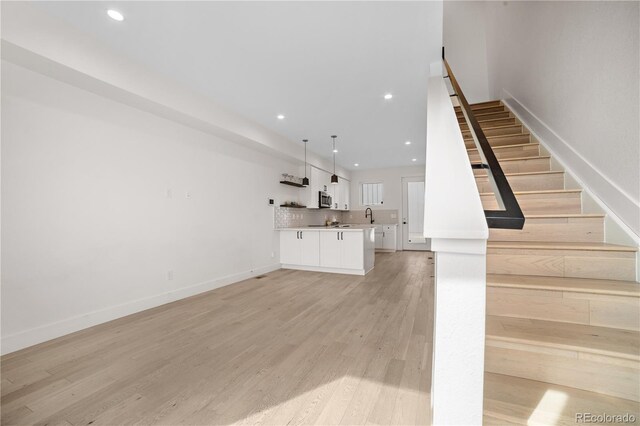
(169, 193)
(170, 275)
(187, 194)
(273, 254)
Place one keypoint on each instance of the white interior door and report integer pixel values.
(413, 214)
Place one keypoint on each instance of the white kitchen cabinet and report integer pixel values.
(300, 247)
(334, 190)
(345, 194)
(378, 233)
(340, 194)
(351, 254)
(339, 249)
(289, 250)
(310, 247)
(342, 190)
(319, 180)
(328, 250)
(386, 237)
(389, 237)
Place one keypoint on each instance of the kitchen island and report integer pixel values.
(343, 250)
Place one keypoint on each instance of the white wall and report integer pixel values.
(466, 48)
(392, 180)
(573, 70)
(95, 209)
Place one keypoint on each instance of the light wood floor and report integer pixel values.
(290, 348)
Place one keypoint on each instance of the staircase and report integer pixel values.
(563, 309)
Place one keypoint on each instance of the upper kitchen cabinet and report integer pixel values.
(341, 194)
(334, 190)
(318, 181)
(345, 194)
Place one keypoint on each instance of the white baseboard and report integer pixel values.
(50, 331)
(616, 202)
(325, 269)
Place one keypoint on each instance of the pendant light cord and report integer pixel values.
(334, 154)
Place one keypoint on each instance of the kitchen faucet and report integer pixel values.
(369, 213)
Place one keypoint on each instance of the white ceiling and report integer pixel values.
(324, 65)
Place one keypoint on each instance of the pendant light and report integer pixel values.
(334, 177)
(305, 180)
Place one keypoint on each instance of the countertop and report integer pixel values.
(350, 228)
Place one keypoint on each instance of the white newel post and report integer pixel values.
(456, 225)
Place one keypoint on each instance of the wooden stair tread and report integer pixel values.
(493, 137)
(546, 172)
(463, 122)
(555, 245)
(502, 126)
(542, 191)
(563, 215)
(487, 104)
(575, 337)
(479, 113)
(515, 400)
(492, 102)
(575, 285)
(508, 146)
(507, 136)
(537, 157)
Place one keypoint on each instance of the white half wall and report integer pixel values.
(108, 210)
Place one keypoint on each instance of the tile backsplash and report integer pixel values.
(290, 217)
(286, 217)
(387, 217)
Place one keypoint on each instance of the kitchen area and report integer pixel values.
(331, 226)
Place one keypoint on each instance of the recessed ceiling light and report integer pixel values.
(335, 150)
(115, 15)
(407, 143)
(356, 164)
(280, 117)
(414, 159)
(388, 96)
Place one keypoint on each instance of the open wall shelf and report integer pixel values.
(297, 185)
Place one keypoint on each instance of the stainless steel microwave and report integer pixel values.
(324, 200)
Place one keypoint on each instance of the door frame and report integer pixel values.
(406, 245)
